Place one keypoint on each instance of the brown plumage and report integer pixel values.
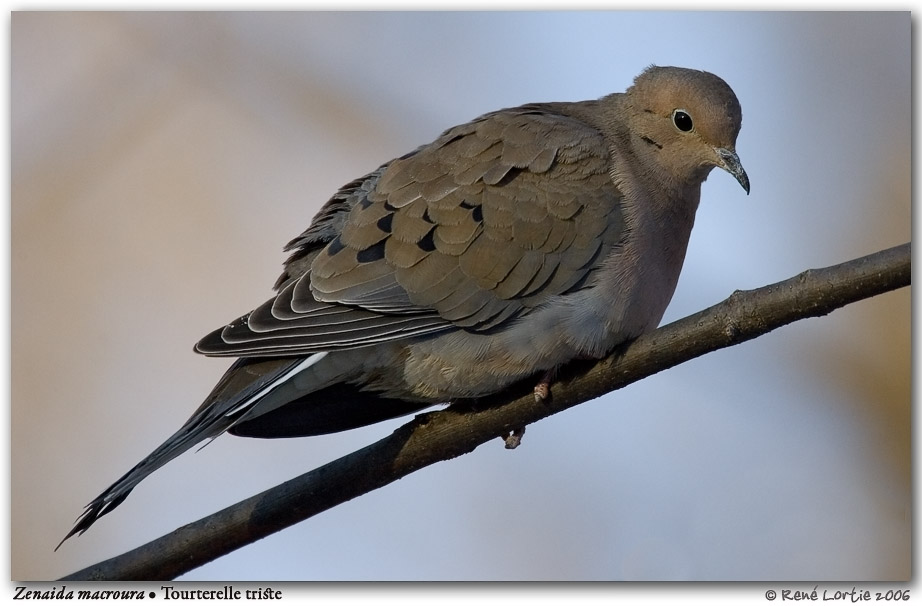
(509, 245)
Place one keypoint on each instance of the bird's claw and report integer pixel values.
(513, 438)
(543, 388)
(542, 391)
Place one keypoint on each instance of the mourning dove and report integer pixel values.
(508, 246)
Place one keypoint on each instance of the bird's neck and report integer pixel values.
(658, 223)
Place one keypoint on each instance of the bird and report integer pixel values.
(510, 245)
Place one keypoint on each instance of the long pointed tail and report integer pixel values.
(194, 431)
(245, 384)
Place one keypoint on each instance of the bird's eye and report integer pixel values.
(682, 120)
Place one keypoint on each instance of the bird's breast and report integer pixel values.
(626, 295)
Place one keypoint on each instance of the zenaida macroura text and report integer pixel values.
(508, 246)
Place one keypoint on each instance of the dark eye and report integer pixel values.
(682, 120)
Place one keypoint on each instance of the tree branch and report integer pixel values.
(454, 431)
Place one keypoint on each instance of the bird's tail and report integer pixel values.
(194, 431)
(244, 385)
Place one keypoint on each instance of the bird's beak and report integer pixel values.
(730, 162)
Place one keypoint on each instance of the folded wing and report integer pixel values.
(492, 219)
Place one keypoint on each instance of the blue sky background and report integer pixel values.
(161, 161)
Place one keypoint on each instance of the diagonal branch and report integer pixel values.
(445, 434)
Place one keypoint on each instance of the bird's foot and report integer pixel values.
(543, 388)
(513, 438)
(542, 391)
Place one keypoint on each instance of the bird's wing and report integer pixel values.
(492, 219)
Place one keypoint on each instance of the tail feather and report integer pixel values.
(244, 384)
(332, 409)
(200, 427)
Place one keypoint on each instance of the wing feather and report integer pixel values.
(491, 220)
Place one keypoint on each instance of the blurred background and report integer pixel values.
(160, 161)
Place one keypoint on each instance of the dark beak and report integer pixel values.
(730, 162)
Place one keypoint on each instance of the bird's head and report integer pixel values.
(687, 121)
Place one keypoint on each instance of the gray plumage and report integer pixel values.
(510, 245)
